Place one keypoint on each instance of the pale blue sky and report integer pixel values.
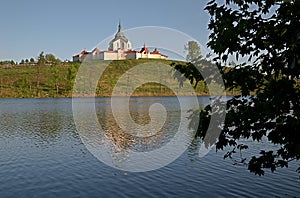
(64, 28)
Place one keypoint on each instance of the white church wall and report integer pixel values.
(117, 51)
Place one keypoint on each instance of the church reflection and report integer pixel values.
(127, 141)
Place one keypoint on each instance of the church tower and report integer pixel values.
(120, 41)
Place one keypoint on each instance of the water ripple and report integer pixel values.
(42, 156)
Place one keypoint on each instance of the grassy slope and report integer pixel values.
(21, 81)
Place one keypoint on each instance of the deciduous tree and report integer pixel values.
(41, 62)
(31, 60)
(193, 51)
(267, 33)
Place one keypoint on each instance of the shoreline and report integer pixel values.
(134, 95)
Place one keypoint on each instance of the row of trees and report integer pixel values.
(46, 58)
(49, 59)
(10, 62)
(27, 61)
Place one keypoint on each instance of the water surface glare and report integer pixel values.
(41, 155)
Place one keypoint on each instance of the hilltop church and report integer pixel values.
(119, 49)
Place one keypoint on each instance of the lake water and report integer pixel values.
(42, 155)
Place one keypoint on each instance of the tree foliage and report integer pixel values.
(41, 59)
(72, 72)
(55, 76)
(51, 59)
(193, 51)
(195, 68)
(267, 33)
(190, 70)
(7, 62)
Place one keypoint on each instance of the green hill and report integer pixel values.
(30, 81)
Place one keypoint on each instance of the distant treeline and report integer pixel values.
(49, 59)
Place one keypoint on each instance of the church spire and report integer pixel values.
(120, 33)
(120, 26)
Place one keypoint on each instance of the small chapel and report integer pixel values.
(119, 49)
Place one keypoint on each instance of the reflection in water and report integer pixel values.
(125, 142)
(139, 114)
(193, 149)
(37, 120)
(41, 156)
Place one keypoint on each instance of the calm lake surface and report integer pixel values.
(42, 155)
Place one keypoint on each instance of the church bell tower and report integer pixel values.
(120, 41)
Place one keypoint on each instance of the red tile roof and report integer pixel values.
(96, 50)
(144, 49)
